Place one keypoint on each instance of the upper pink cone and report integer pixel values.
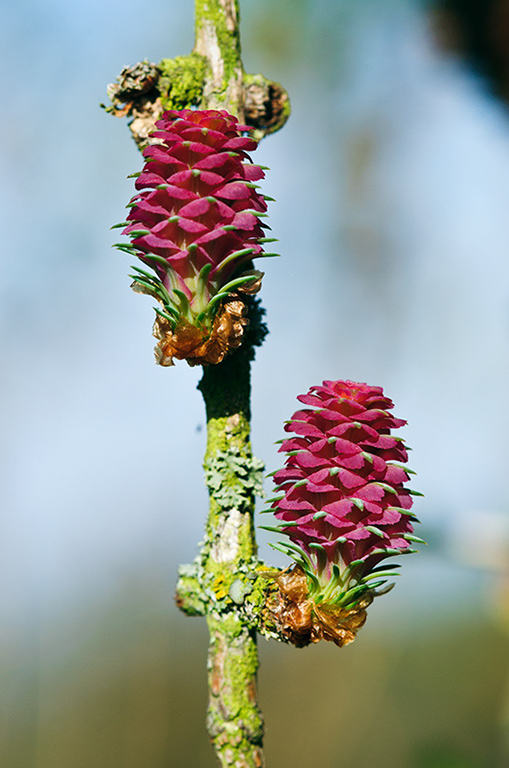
(196, 219)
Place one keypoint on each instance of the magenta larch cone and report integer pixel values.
(342, 502)
(196, 223)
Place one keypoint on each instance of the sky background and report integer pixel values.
(391, 191)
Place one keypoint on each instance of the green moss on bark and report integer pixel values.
(222, 21)
(181, 82)
(234, 720)
(233, 477)
(218, 40)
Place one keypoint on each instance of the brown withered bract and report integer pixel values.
(301, 621)
(187, 342)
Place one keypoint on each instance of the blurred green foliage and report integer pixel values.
(123, 686)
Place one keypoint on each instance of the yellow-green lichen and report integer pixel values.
(234, 478)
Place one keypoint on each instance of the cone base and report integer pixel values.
(187, 342)
(301, 621)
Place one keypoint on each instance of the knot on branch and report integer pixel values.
(266, 105)
(274, 603)
(131, 85)
(202, 590)
(142, 92)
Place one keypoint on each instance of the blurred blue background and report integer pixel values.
(391, 181)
